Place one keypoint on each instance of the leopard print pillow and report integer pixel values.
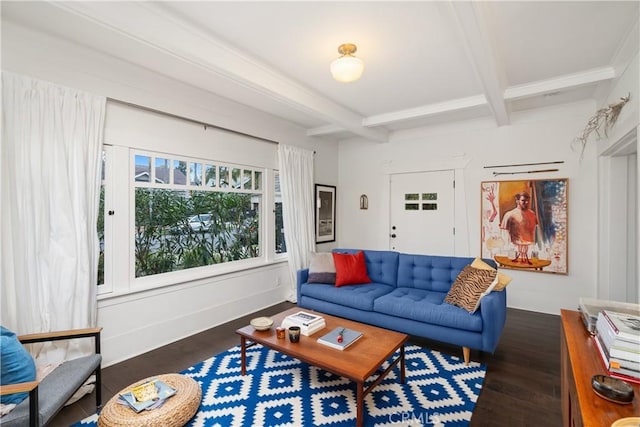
(470, 286)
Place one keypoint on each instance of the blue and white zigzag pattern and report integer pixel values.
(440, 390)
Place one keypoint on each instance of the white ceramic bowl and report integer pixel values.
(262, 323)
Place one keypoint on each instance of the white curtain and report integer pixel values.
(296, 185)
(51, 161)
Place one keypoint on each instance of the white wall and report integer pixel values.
(131, 321)
(538, 136)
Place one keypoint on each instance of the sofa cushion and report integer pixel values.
(382, 266)
(321, 268)
(350, 269)
(434, 273)
(17, 365)
(427, 306)
(503, 279)
(470, 286)
(359, 297)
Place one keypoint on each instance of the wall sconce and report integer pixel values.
(364, 202)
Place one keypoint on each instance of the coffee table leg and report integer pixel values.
(243, 355)
(402, 364)
(360, 405)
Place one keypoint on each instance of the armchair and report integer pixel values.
(47, 397)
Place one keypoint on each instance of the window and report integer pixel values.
(186, 218)
(281, 246)
(100, 227)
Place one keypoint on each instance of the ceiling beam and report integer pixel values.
(180, 39)
(476, 37)
(560, 83)
(424, 111)
(325, 130)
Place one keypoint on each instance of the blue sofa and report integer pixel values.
(407, 295)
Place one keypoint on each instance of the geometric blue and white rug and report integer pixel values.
(282, 391)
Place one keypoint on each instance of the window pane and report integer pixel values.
(258, 176)
(429, 196)
(247, 181)
(179, 172)
(143, 168)
(429, 206)
(411, 196)
(195, 173)
(162, 170)
(101, 231)
(411, 206)
(210, 175)
(224, 177)
(176, 230)
(236, 175)
(281, 245)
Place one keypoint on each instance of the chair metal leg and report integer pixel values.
(34, 416)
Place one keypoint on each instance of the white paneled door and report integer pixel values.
(422, 213)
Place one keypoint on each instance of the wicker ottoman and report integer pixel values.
(175, 412)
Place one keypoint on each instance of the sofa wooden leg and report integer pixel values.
(466, 353)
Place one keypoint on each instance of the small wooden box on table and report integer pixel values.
(580, 361)
(358, 362)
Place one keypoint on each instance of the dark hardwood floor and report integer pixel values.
(522, 386)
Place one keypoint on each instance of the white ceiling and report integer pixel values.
(425, 62)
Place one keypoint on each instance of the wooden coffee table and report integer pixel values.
(358, 362)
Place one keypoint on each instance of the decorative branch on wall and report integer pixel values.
(603, 120)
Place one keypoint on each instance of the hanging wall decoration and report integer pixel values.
(601, 122)
(524, 224)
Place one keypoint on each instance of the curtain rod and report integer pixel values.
(175, 116)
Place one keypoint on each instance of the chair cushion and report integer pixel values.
(503, 279)
(321, 268)
(350, 269)
(17, 365)
(358, 297)
(55, 389)
(427, 306)
(470, 286)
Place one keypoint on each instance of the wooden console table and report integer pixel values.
(579, 362)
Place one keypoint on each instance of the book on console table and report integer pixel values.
(615, 346)
(613, 368)
(332, 339)
(624, 325)
(309, 323)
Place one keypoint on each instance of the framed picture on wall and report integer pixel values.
(524, 224)
(325, 213)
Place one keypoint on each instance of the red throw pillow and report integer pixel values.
(351, 269)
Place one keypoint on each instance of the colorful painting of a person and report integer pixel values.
(520, 222)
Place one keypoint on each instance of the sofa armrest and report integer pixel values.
(301, 277)
(493, 309)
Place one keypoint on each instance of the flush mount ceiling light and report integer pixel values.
(347, 68)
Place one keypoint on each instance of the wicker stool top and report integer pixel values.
(175, 412)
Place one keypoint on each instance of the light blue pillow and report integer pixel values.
(17, 365)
